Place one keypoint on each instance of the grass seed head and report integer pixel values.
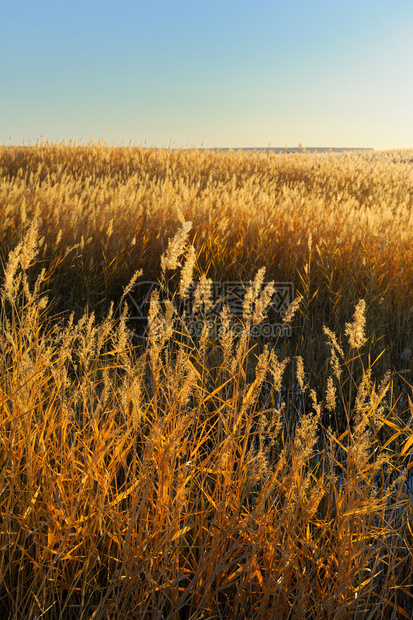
(355, 330)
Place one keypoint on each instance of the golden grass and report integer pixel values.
(338, 226)
(204, 476)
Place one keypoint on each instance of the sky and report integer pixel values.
(212, 73)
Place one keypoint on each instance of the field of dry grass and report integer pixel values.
(214, 474)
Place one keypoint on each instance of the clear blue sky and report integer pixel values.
(222, 73)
